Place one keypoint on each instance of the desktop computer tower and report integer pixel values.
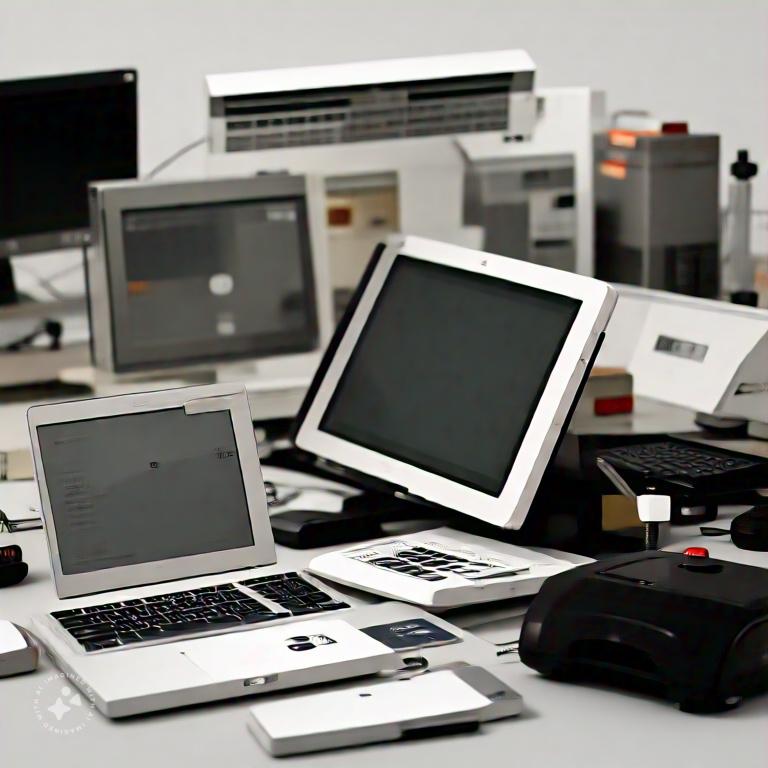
(658, 211)
(526, 207)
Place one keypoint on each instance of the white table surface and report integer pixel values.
(561, 725)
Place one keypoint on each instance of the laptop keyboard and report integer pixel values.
(194, 611)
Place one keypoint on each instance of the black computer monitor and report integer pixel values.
(57, 134)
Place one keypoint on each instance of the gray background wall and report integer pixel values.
(701, 60)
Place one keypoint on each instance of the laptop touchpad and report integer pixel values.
(287, 648)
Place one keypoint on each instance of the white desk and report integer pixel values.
(562, 725)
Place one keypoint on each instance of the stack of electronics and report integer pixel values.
(128, 485)
(446, 387)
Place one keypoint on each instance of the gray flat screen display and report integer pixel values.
(139, 488)
(215, 280)
(449, 369)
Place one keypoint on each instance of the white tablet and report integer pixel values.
(455, 374)
(149, 487)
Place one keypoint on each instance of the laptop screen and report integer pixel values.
(145, 487)
(449, 369)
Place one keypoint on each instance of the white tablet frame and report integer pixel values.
(213, 397)
(510, 507)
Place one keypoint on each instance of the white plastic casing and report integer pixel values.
(654, 509)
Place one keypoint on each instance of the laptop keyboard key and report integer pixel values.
(93, 634)
(128, 637)
(93, 645)
(256, 617)
(229, 619)
(67, 614)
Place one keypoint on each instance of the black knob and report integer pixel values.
(743, 169)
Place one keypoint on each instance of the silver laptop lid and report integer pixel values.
(144, 488)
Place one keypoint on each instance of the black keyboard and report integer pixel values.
(194, 611)
(690, 465)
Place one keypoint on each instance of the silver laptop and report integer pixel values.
(148, 488)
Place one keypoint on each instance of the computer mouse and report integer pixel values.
(749, 530)
(18, 651)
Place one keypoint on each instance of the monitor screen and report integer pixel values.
(449, 369)
(57, 134)
(139, 488)
(237, 273)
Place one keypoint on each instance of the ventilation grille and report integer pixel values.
(365, 113)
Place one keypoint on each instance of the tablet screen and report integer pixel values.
(449, 369)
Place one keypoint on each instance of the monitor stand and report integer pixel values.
(375, 512)
(8, 293)
(276, 386)
(562, 515)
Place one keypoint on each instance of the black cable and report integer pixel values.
(52, 328)
(175, 156)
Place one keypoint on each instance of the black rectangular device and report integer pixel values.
(57, 134)
(692, 629)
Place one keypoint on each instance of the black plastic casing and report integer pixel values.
(693, 630)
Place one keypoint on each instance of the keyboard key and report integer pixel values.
(225, 619)
(74, 622)
(93, 633)
(93, 645)
(258, 616)
(69, 612)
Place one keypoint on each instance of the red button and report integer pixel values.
(696, 552)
